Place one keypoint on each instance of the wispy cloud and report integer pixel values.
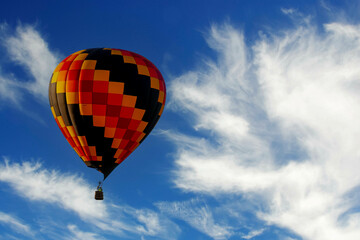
(279, 121)
(26, 47)
(198, 216)
(78, 234)
(35, 183)
(18, 225)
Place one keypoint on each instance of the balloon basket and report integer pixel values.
(99, 195)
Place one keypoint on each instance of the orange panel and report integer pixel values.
(116, 143)
(92, 150)
(143, 70)
(99, 121)
(85, 109)
(116, 87)
(154, 83)
(101, 75)
(138, 114)
(81, 56)
(115, 52)
(129, 101)
(62, 76)
(109, 132)
(89, 64)
(72, 97)
(129, 59)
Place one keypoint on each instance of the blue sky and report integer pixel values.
(258, 140)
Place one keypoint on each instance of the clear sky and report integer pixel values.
(259, 138)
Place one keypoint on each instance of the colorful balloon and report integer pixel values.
(105, 102)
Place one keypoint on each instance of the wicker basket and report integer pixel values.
(99, 195)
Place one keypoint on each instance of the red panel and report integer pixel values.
(126, 53)
(87, 74)
(135, 136)
(100, 86)
(111, 121)
(119, 133)
(126, 112)
(114, 99)
(123, 123)
(123, 143)
(133, 125)
(128, 134)
(76, 64)
(73, 75)
(113, 111)
(99, 98)
(65, 66)
(139, 61)
(85, 98)
(99, 110)
(152, 72)
(71, 86)
(86, 86)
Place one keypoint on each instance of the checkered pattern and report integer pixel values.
(105, 102)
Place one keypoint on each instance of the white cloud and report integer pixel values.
(27, 48)
(15, 223)
(199, 217)
(253, 233)
(80, 235)
(72, 193)
(279, 120)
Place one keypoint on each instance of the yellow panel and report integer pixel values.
(118, 152)
(99, 121)
(71, 131)
(92, 150)
(62, 76)
(109, 132)
(142, 126)
(89, 64)
(129, 59)
(116, 52)
(53, 112)
(85, 109)
(154, 83)
(54, 77)
(101, 75)
(79, 51)
(72, 98)
(116, 87)
(81, 56)
(129, 101)
(161, 97)
(116, 142)
(143, 70)
(61, 121)
(72, 57)
(82, 140)
(60, 87)
(84, 158)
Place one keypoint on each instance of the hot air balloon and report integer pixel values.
(106, 102)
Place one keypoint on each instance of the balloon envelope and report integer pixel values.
(105, 102)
